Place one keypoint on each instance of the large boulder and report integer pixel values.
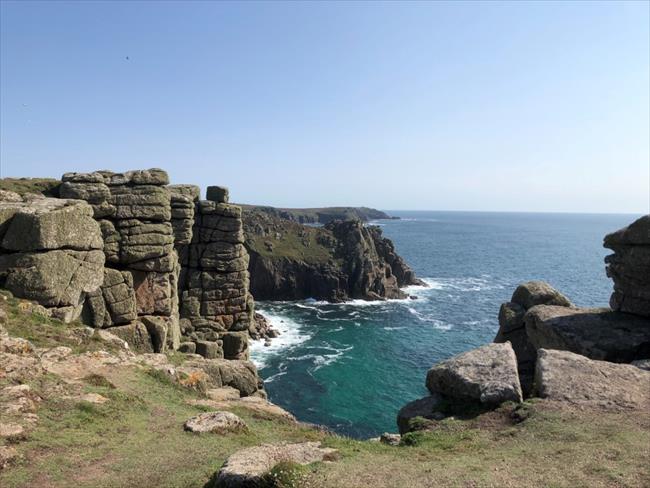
(241, 375)
(598, 333)
(629, 267)
(512, 328)
(246, 468)
(487, 375)
(569, 377)
(45, 224)
(534, 293)
(55, 278)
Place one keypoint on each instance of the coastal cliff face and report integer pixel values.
(342, 260)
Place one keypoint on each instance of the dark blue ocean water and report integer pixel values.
(352, 366)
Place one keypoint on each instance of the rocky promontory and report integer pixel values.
(547, 347)
(340, 261)
(321, 215)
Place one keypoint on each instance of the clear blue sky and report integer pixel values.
(460, 106)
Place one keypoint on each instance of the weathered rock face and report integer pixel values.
(598, 333)
(215, 297)
(338, 262)
(513, 329)
(629, 267)
(134, 211)
(50, 252)
(569, 377)
(487, 375)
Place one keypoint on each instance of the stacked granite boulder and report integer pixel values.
(216, 305)
(629, 267)
(184, 199)
(50, 252)
(139, 293)
(512, 327)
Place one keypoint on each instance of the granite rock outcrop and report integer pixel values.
(629, 267)
(50, 252)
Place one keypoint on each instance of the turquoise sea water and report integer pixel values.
(352, 366)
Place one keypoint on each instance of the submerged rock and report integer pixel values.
(487, 375)
(569, 377)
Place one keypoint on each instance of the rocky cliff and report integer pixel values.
(549, 348)
(342, 260)
(126, 251)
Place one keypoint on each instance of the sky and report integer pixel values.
(496, 106)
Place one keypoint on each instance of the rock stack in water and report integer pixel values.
(50, 252)
(138, 298)
(629, 267)
(216, 305)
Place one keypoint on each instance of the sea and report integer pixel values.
(351, 366)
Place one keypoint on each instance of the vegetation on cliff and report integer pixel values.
(340, 261)
(322, 215)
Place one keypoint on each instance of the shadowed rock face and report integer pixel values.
(629, 267)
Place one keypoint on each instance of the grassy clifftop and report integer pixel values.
(135, 437)
(46, 186)
(322, 215)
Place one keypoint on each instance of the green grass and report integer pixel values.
(46, 186)
(297, 242)
(48, 332)
(136, 438)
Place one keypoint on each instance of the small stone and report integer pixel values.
(95, 398)
(7, 456)
(11, 431)
(216, 422)
(390, 439)
(187, 347)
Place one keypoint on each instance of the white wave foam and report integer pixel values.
(438, 324)
(462, 284)
(324, 358)
(291, 334)
(393, 328)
